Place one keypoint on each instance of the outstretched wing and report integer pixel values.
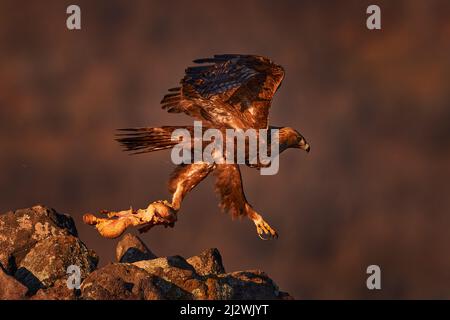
(229, 90)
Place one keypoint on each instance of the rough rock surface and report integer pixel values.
(131, 249)
(10, 288)
(38, 270)
(59, 291)
(176, 271)
(38, 244)
(207, 262)
(20, 230)
(122, 281)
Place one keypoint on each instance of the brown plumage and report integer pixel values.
(225, 91)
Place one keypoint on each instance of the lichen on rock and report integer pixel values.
(22, 229)
(38, 270)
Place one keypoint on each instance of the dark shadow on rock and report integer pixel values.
(179, 262)
(133, 255)
(11, 266)
(170, 290)
(24, 276)
(132, 249)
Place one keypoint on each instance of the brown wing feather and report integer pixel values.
(231, 90)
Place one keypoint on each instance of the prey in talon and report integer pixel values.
(157, 213)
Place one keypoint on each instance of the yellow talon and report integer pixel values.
(263, 228)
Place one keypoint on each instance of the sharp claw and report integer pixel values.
(263, 228)
(262, 238)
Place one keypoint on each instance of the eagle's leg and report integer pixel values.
(229, 186)
(185, 178)
(264, 230)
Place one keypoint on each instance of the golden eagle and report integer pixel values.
(227, 91)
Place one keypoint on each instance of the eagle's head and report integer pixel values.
(291, 138)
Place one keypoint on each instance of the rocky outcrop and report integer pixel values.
(38, 245)
(20, 230)
(120, 281)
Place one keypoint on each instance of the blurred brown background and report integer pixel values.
(373, 104)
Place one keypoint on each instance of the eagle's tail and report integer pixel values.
(143, 140)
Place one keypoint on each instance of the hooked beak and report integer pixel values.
(304, 145)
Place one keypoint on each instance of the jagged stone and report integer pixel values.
(49, 259)
(20, 230)
(131, 249)
(127, 282)
(207, 262)
(59, 291)
(176, 271)
(38, 244)
(247, 285)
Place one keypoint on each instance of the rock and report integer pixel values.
(37, 246)
(131, 249)
(59, 291)
(214, 283)
(167, 266)
(207, 262)
(125, 282)
(10, 288)
(38, 270)
(246, 285)
(176, 271)
(173, 269)
(20, 230)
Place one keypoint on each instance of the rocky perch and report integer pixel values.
(38, 245)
